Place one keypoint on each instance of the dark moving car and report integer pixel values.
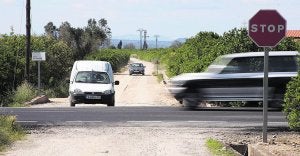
(237, 77)
(136, 68)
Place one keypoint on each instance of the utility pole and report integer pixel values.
(156, 36)
(141, 36)
(145, 40)
(28, 50)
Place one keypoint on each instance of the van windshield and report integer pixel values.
(92, 77)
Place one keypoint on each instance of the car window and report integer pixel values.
(218, 65)
(92, 77)
(256, 64)
(283, 64)
(137, 65)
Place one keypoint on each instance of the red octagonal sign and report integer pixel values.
(267, 28)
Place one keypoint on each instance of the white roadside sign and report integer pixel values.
(38, 56)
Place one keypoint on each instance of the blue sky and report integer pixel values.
(170, 19)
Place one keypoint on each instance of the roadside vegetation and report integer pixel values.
(117, 58)
(217, 148)
(24, 93)
(9, 131)
(61, 51)
(292, 103)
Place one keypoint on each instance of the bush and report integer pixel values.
(292, 103)
(9, 131)
(117, 58)
(59, 91)
(17, 98)
(24, 93)
(59, 60)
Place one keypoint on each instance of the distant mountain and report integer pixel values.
(151, 43)
(182, 40)
(136, 43)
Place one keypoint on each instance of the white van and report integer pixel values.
(92, 82)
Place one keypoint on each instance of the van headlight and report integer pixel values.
(107, 92)
(78, 91)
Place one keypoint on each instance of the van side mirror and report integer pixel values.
(68, 81)
(117, 82)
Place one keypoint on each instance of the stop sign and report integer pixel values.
(267, 28)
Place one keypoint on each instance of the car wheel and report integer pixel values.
(143, 73)
(252, 104)
(112, 102)
(72, 104)
(190, 103)
(276, 104)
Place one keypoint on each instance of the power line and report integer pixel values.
(156, 36)
(141, 36)
(145, 40)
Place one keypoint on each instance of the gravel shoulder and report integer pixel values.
(116, 141)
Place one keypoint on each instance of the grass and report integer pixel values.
(217, 148)
(159, 76)
(9, 131)
(24, 93)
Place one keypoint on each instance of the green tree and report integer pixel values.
(65, 33)
(287, 44)
(51, 30)
(176, 44)
(83, 41)
(292, 103)
(237, 41)
(120, 45)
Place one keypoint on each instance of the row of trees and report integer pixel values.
(83, 41)
(116, 57)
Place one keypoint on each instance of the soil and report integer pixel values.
(114, 141)
(281, 142)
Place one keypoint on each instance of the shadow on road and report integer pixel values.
(258, 109)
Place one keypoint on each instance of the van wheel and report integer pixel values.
(112, 102)
(72, 104)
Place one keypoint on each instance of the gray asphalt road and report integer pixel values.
(144, 116)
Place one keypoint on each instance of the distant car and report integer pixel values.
(136, 68)
(237, 77)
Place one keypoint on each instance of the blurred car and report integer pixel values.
(237, 77)
(136, 68)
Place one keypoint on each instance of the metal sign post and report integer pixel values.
(39, 56)
(39, 76)
(265, 94)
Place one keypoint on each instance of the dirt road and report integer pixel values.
(134, 90)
